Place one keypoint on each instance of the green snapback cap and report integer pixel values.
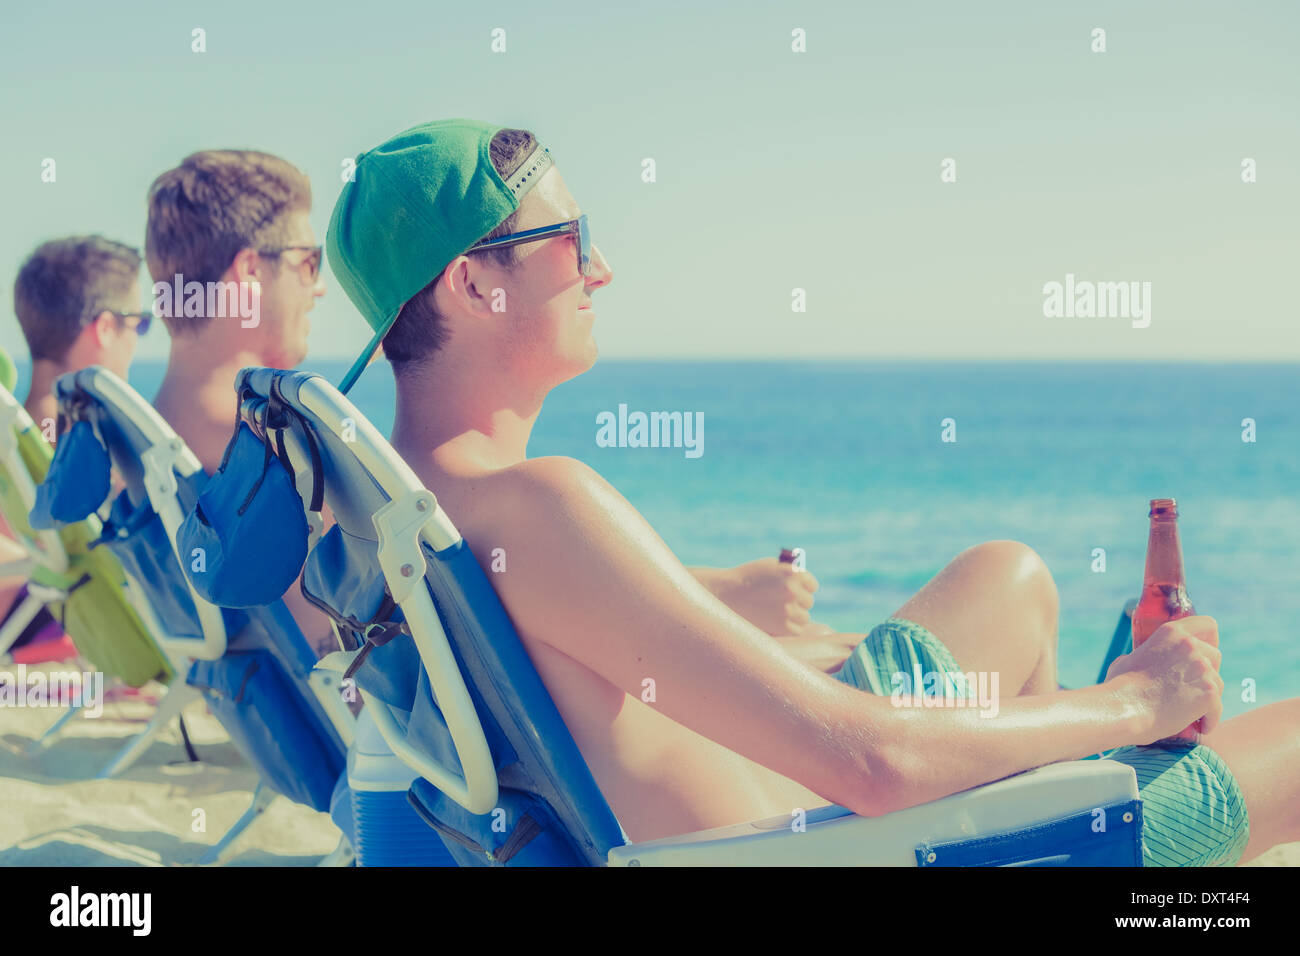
(413, 204)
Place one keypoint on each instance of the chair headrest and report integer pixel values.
(337, 452)
(127, 425)
(246, 535)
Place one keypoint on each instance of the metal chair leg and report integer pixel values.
(262, 798)
(341, 855)
(47, 738)
(178, 696)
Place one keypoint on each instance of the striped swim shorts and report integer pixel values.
(1193, 813)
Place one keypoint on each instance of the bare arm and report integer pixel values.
(591, 578)
(774, 597)
(711, 578)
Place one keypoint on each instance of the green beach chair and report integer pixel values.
(84, 588)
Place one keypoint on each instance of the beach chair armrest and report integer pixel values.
(1096, 796)
(161, 463)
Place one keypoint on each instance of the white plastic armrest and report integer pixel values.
(324, 681)
(412, 516)
(836, 837)
(166, 456)
(175, 649)
(160, 463)
(401, 524)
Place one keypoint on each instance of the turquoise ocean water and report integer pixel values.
(845, 460)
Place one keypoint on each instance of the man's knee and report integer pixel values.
(1018, 572)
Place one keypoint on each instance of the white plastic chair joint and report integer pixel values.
(160, 462)
(399, 525)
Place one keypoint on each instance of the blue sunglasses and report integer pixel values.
(142, 327)
(578, 225)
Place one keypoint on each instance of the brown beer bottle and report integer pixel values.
(1164, 589)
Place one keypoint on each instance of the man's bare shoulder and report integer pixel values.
(534, 485)
(557, 473)
(521, 502)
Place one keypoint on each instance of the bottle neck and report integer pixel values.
(1164, 553)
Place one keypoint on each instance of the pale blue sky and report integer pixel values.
(776, 170)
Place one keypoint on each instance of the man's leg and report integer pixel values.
(995, 607)
(1262, 749)
(1229, 799)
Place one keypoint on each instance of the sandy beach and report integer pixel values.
(51, 814)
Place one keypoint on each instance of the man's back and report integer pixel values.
(660, 777)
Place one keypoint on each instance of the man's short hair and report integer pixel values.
(215, 203)
(419, 330)
(67, 282)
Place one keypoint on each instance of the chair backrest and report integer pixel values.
(252, 665)
(436, 657)
(161, 480)
(95, 610)
(24, 459)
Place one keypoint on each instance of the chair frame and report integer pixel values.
(167, 456)
(53, 556)
(412, 519)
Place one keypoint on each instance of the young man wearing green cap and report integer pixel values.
(740, 728)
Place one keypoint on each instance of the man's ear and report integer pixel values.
(465, 283)
(102, 329)
(247, 266)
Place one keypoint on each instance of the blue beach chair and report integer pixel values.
(1121, 642)
(454, 706)
(82, 587)
(253, 667)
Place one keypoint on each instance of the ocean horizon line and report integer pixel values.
(837, 360)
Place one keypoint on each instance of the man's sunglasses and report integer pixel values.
(141, 327)
(315, 258)
(578, 226)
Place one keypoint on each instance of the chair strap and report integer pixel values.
(252, 492)
(376, 632)
(525, 830)
(280, 415)
(120, 532)
(230, 445)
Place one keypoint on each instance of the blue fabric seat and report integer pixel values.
(258, 685)
(543, 778)
(455, 696)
